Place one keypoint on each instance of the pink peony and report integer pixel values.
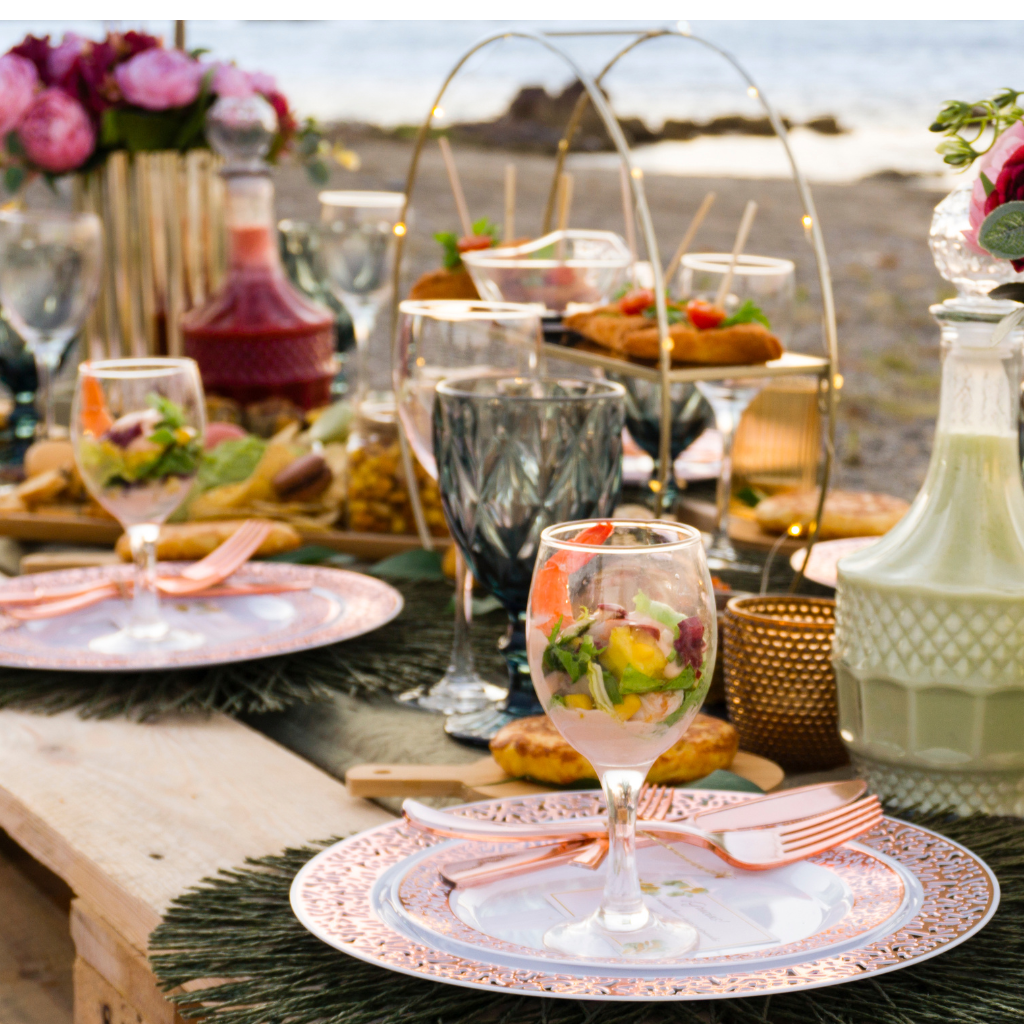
(56, 132)
(229, 80)
(160, 79)
(263, 83)
(18, 83)
(991, 166)
(62, 57)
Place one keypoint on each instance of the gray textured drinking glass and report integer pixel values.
(515, 456)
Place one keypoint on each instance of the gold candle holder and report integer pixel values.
(779, 682)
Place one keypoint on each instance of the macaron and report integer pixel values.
(304, 479)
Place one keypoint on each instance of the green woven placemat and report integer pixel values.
(240, 926)
(411, 651)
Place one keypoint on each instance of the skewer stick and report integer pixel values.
(510, 203)
(741, 240)
(691, 231)
(564, 205)
(627, 210)
(453, 179)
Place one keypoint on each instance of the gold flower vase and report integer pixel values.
(164, 247)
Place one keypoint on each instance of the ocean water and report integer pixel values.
(883, 80)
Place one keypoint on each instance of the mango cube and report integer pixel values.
(628, 708)
(628, 645)
(582, 701)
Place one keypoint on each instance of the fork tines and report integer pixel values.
(833, 828)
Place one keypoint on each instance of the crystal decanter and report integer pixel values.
(258, 337)
(930, 620)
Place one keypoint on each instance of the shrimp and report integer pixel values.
(550, 598)
(95, 417)
(657, 706)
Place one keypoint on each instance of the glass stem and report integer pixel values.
(461, 665)
(622, 907)
(146, 622)
(46, 369)
(726, 423)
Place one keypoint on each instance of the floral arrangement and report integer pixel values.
(64, 108)
(997, 200)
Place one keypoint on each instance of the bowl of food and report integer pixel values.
(571, 266)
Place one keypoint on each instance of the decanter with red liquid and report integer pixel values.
(258, 337)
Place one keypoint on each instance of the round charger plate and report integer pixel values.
(337, 606)
(900, 895)
(824, 564)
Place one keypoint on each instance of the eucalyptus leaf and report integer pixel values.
(986, 184)
(1009, 323)
(14, 178)
(1002, 231)
(1013, 291)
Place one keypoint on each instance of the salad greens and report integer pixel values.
(748, 313)
(230, 462)
(452, 258)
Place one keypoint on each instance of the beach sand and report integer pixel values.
(876, 237)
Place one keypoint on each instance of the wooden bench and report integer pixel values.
(128, 816)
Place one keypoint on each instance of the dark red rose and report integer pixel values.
(1009, 187)
(286, 124)
(135, 42)
(36, 50)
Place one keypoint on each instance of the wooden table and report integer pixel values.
(128, 816)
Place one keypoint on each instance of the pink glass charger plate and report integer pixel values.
(338, 605)
(824, 564)
(899, 896)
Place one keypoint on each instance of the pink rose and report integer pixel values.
(159, 79)
(18, 83)
(56, 132)
(991, 166)
(229, 80)
(61, 58)
(263, 83)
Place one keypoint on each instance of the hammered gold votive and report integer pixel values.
(779, 683)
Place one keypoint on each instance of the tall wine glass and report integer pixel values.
(50, 264)
(355, 253)
(514, 456)
(621, 645)
(768, 283)
(446, 339)
(137, 427)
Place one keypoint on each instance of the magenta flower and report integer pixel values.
(56, 132)
(264, 84)
(62, 57)
(18, 83)
(229, 80)
(991, 166)
(160, 79)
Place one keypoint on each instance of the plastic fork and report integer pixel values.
(756, 849)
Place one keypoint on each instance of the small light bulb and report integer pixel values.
(837, 382)
(807, 222)
(399, 229)
(420, 361)
(683, 28)
(637, 173)
(438, 112)
(752, 91)
(795, 530)
(655, 485)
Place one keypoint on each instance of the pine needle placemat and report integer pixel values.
(411, 651)
(239, 925)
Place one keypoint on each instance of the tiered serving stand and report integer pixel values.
(825, 367)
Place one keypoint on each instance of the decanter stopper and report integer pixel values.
(241, 129)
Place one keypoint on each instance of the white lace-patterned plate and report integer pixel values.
(899, 896)
(337, 606)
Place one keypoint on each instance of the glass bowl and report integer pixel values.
(565, 266)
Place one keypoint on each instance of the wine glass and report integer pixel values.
(354, 256)
(437, 340)
(767, 283)
(137, 427)
(621, 646)
(515, 455)
(50, 264)
(690, 416)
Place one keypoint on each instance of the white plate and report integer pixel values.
(825, 557)
(338, 606)
(901, 895)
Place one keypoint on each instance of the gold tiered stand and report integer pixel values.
(825, 367)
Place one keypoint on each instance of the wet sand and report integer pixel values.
(875, 233)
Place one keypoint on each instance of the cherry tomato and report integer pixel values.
(472, 242)
(561, 276)
(704, 315)
(636, 301)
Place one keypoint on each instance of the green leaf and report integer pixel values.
(1013, 291)
(722, 779)
(139, 132)
(418, 564)
(452, 259)
(598, 688)
(658, 611)
(1009, 323)
(483, 226)
(318, 171)
(231, 461)
(746, 314)
(635, 681)
(986, 184)
(192, 131)
(1002, 231)
(13, 143)
(14, 178)
(749, 497)
(311, 554)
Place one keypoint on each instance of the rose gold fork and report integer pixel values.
(653, 804)
(194, 579)
(755, 849)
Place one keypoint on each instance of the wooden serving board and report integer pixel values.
(75, 528)
(486, 779)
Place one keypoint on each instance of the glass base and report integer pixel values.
(455, 695)
(660, 938)
(127, 641)
(722, 555)
(477, 728)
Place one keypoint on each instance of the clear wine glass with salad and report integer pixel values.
(137, 427)
(621, 645)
